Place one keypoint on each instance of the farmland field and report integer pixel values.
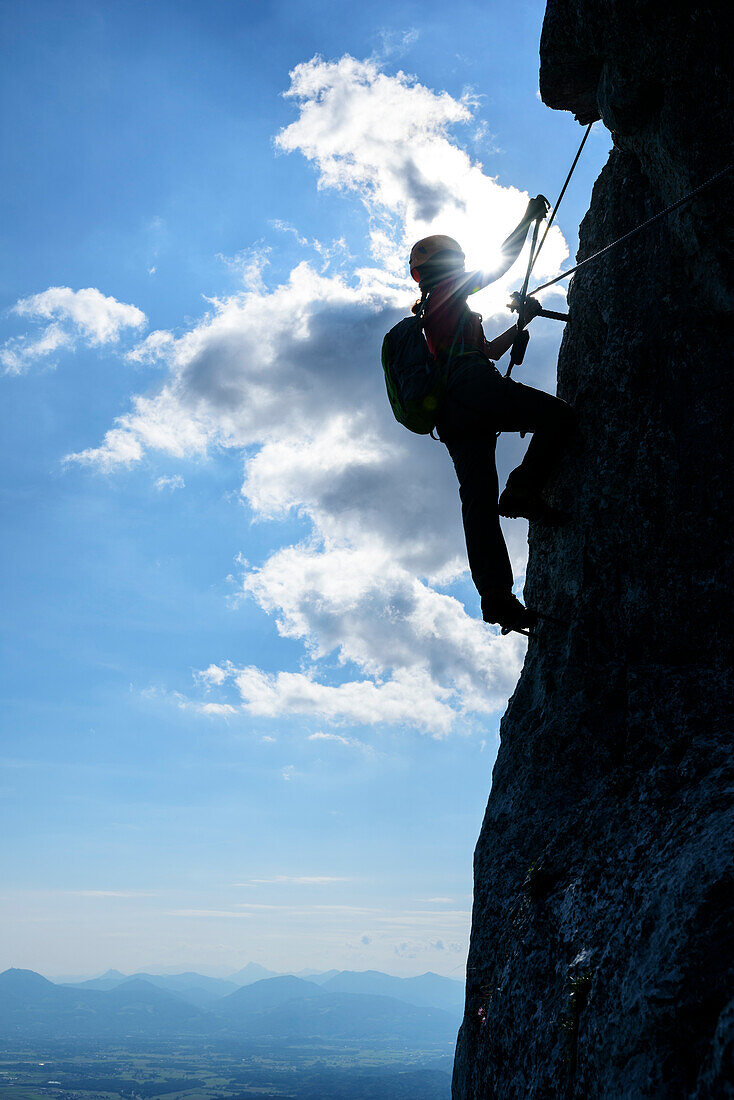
(250, 1071)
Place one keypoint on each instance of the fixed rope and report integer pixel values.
(638, 229)
(559, 200)
(520, 342)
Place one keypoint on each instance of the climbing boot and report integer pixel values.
(519, 501)
(500, 606)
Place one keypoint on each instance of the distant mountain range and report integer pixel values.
(426, 991)
(253, 972)
(196, 989)
(348, 1005)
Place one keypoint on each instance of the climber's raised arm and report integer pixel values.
(510, 249)
(433, 259)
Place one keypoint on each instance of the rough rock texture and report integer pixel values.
(601, 951)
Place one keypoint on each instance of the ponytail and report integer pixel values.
(418, 306)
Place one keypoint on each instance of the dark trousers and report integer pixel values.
(479, 403)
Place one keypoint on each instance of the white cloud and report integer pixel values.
(213, 675)
(249, 265)
(460, 668)
(153, 348)
(70, 316)
(407, 698)
(394, 43)
(170, 483)
(210, 710)
(371, 609)
(213, 710)
(98, 318)
(388, 139)
(289, 374)
(350, 742)
(375, 134)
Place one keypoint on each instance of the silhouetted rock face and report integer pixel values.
(601, 951)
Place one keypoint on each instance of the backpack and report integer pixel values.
(416, 382)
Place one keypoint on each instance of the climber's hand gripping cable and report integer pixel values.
(533, 308)
(540, 207)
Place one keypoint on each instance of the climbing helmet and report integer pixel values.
(430, 247)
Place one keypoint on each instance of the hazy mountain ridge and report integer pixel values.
(196, 989)
(427, 990)
(284, 1006)
(32, 1007)
(253, 972)
(267, 994)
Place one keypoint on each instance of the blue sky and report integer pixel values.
(250, 711)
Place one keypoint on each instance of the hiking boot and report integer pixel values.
(500, 606)
(521, 502)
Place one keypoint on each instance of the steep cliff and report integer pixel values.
(601, 949)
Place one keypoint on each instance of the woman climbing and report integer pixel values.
(479, 402)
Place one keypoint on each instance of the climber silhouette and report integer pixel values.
(478, 403)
